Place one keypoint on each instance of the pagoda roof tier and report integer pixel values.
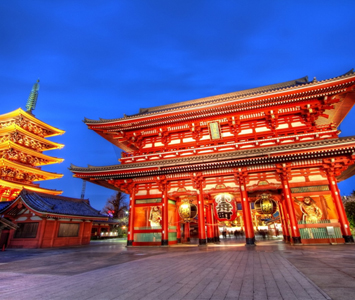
(262, 97)
(51, 131)
(43, 175)
(32, 187)
(43, 159)
(291, 153)
(15, 128)
(52, 206)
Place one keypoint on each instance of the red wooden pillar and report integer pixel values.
(201, 218)
(163, 187)
(187, 231)
(43, 229)
(283, 217)
(165, 217)
(210, 233)
(248, 224)
(178, 224)
(55, 232)
(198, 181)
(344, 223)
(81, 232)
(296, 237)
(130, 234)
(215, 226)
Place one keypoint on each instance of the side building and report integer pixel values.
(45, 221)
(239, 158)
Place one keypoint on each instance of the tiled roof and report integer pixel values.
(216, 157)
(284, 86)
(202, 101)
(4, 205)
(59, 205)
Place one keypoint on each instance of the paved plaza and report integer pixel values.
(229, 270)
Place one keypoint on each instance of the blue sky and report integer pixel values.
(101, 59)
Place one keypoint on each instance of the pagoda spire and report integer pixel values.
(32, 99)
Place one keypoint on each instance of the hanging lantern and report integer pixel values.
(265, 205)
(187, 210)
(225, 208)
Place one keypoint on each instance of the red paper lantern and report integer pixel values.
(225, 208)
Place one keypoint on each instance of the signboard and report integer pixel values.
(215, 131)
(225, 208)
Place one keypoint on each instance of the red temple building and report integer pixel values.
(240, 159)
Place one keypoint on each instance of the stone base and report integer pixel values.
(210, 240)
(188, 239)
(202, 242)
(129, 243)
(165, 242)
(296, 240)
(250, 241)
(348, 238)
(179, 241)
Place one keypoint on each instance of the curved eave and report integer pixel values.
(14, 127)
(15, 165)
(10, 144)
(55, 131)
(295, 90)
(340, 111)
(18, 186)
(251, 157)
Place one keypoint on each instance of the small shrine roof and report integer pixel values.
(4, 205)
(57, 205)
(239, 95)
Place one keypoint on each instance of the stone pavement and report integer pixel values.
(109, 270)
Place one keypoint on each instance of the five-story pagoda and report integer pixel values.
(23, 139)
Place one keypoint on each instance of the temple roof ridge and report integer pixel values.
(284, 86)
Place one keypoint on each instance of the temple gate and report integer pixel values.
(240, 159)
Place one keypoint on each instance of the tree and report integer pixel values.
(116, 206)
(350, 212)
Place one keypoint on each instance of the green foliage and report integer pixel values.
(350, 213)
(122, 232)
(116, 206)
